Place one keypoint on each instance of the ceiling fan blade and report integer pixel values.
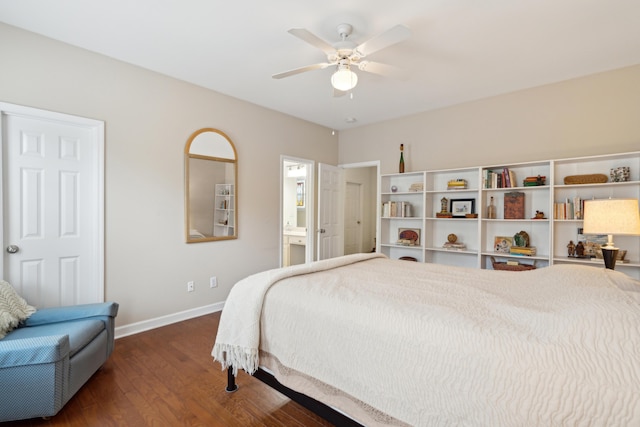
(383, 70)
(386, 39)
(301, 70)
(313, 40)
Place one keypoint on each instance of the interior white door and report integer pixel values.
(53, 236)
(330, 212)
(353, 218)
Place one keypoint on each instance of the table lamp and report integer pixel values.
(611, 216)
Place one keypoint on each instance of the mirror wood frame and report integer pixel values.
(209, 154)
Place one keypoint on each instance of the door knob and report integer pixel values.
(322, 230)
(12, 249)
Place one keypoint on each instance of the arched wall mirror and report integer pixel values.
(211, 190)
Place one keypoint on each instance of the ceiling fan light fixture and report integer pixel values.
(344, 79)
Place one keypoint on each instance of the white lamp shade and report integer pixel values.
(611, 216)
(344, 79)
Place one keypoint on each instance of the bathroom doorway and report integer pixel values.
(297, 210)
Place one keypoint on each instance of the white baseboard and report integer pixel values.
(145, 325)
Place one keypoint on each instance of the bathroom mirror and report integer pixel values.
(211, 190)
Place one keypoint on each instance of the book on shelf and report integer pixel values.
(394, 209)
(523, 250)
(444, 215)
(504, 178)
(534, 181)
(457, 184)
(571, 208)
(454, 246)
(618, 261)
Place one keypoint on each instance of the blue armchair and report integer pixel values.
(46, 360)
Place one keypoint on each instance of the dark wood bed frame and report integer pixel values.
(318, 408)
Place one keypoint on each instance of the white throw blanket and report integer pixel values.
(438, 345)
(238, 336)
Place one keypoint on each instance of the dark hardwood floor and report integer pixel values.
(167, 377)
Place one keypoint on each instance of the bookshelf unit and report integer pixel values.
(566, 229)
(223, 216)
(438, 229)
(536, 198)
(407, 188)
(549, 235)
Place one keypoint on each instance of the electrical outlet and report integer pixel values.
(190, 286)
(213, 282)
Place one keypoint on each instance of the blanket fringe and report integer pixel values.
(236, 357)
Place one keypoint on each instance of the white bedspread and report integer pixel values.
(239, 330)
(438, 345)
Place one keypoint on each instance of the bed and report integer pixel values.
(390, 342)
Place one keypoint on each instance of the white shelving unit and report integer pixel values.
(535, 199)
(549, 235)
(397, 188)
(565, 230)
(438, 229)
(224, 211)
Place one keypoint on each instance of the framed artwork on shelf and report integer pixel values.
(502, 244)
(459, 208)
(409, 236)
(591, 242)
(514, 205)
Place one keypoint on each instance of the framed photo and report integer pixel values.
(459, 208)
(502, 244)
(591, 242)
(409, 236)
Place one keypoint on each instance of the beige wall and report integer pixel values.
(149, 118)
(586, 116)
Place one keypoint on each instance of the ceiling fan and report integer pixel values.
(346, 54)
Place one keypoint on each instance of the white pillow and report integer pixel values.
(13, 309)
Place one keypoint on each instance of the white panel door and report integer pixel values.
(52, 205)
(353, 218)
(330, 212)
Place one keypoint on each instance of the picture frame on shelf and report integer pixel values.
(514, 205)
(459, 208)
(409, 236)
(591, 242)
(502, 244)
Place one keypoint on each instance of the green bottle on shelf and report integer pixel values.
(401, 167)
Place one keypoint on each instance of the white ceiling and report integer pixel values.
(460, 50)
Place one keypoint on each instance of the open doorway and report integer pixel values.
(297, 210)
(361, 207)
